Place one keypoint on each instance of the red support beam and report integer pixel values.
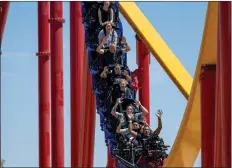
(225, 79)
(91, 126)
(4, 7)
(57, 91)
(143, 61)
(218, 123)
(85, 108)
(87, 90)
(110, 160)
(43, 84)
(76, 67)
(207, 80)
(92, 131)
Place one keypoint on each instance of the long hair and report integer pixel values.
(132, 106)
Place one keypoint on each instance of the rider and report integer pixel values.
(125, 132)
(125, 92)
(117, 75)
(108, 39)
(107, 36)
(105, 14)
(129, 112)
(146, 129)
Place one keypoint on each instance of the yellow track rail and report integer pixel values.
(187, 143)
(157, 47)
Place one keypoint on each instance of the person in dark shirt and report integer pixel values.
(112, 52)
(117, 75)
(120, 74)
(146, 132)
(121, 51)
(125, 92)
(105, 14)
(125, 132)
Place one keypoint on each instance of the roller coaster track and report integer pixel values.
(185, 149)
(187, 144)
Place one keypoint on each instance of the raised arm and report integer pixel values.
(100, 17)
(115, 37)
(125, 73)
(142, 109)
(119, 130)
(111, 16)
(100, 48)
(158, 114)
(133, 133)
(103, 74)
(114, 112)
(127, 49)
(124, 43)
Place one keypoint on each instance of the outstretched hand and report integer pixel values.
(106, 68)
(119, 101)
(137, 103)
(125, 73)
(159, 114)
(123, 40)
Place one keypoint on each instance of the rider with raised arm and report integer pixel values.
(105, 72)
(146, 129)
(107, 37)
(125, 132)
(125, 47)
(117, 75)
(129, 112)
(120, 74)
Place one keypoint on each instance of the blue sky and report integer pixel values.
(180, 24)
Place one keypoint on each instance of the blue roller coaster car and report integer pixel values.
(151, 151)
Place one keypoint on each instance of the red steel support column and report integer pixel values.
(84, 104)
(57, 92)
(218, 123)
(92, 123)
(89, 127)
(76, 65)
(143, 61)
(43, 84)
(88, 88)
(225, 65)
(4, 7)
(110, 160)
(207, 79)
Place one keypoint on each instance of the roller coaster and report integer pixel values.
(116, 85)
(130, 140)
